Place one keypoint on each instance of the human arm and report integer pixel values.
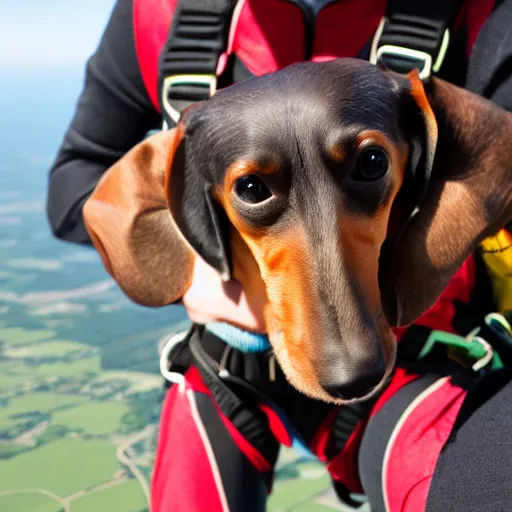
(113, 114)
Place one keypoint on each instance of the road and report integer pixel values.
(61, 501)
(124, 459)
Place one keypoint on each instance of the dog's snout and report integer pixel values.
(355, 383)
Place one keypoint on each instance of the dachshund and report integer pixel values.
(342, 196)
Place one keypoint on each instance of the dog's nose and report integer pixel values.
(349, 385)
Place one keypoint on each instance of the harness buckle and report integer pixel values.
(472, 351)
(170, 85)
(165, 358)
(403, 60)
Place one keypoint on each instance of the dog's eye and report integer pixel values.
(372, 164)
(251, 189)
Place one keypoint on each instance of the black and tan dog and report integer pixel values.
(301, 185)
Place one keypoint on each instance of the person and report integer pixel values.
(437, 437)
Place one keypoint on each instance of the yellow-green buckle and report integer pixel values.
(428, 65)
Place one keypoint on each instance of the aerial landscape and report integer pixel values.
(80, 391)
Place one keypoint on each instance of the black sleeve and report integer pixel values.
(113, 114)
(490, 64)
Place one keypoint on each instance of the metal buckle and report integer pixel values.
(427, 66)
(209, 81)
(174, 377)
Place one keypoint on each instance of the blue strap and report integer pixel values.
(245, 341)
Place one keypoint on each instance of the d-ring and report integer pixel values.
(174, 377)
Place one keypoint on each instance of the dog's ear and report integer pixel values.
(420, 126)
(201, 220)
(128, 220)
(463, 202)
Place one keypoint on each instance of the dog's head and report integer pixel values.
(291, 183)
(303, 167)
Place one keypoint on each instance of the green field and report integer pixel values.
(16, 374)
(62, 467)
(72, 456)
(309, 506)
(287, 493)
(136, 381)
(13, 375)
(79, 367)
(97, 418)
(19, 407)
(42, 402)
(8, 450)
(35, 502)
(20, 336)
(125, 497)
(54, 348)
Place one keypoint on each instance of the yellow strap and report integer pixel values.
(497, 256)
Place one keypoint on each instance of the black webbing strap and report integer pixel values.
(252, 426)
(414, 34)
(188, 62)
(346, 422)
(228, 401)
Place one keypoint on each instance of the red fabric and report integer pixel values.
(343, 28)
(318, 444)
(343, 467)
(412, 457)
(151, 22)
(270, 35)
(276, 425)
(183, 480)
(400, 379)
(195, 382)
(256, 458)
(473, 14)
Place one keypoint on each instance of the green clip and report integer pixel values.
(475, 348)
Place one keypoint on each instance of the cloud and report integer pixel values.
(54, 34)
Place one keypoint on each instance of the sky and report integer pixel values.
(50, 35)
(45, 46)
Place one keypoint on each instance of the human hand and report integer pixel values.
(209, 299)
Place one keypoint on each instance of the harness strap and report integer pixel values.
(414, 35)
(345, 424)
(250, 424)
(197, 38)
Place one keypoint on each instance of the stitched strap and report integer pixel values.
(248, 422)
(197, 38)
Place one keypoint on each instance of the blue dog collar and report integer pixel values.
(245, 341)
